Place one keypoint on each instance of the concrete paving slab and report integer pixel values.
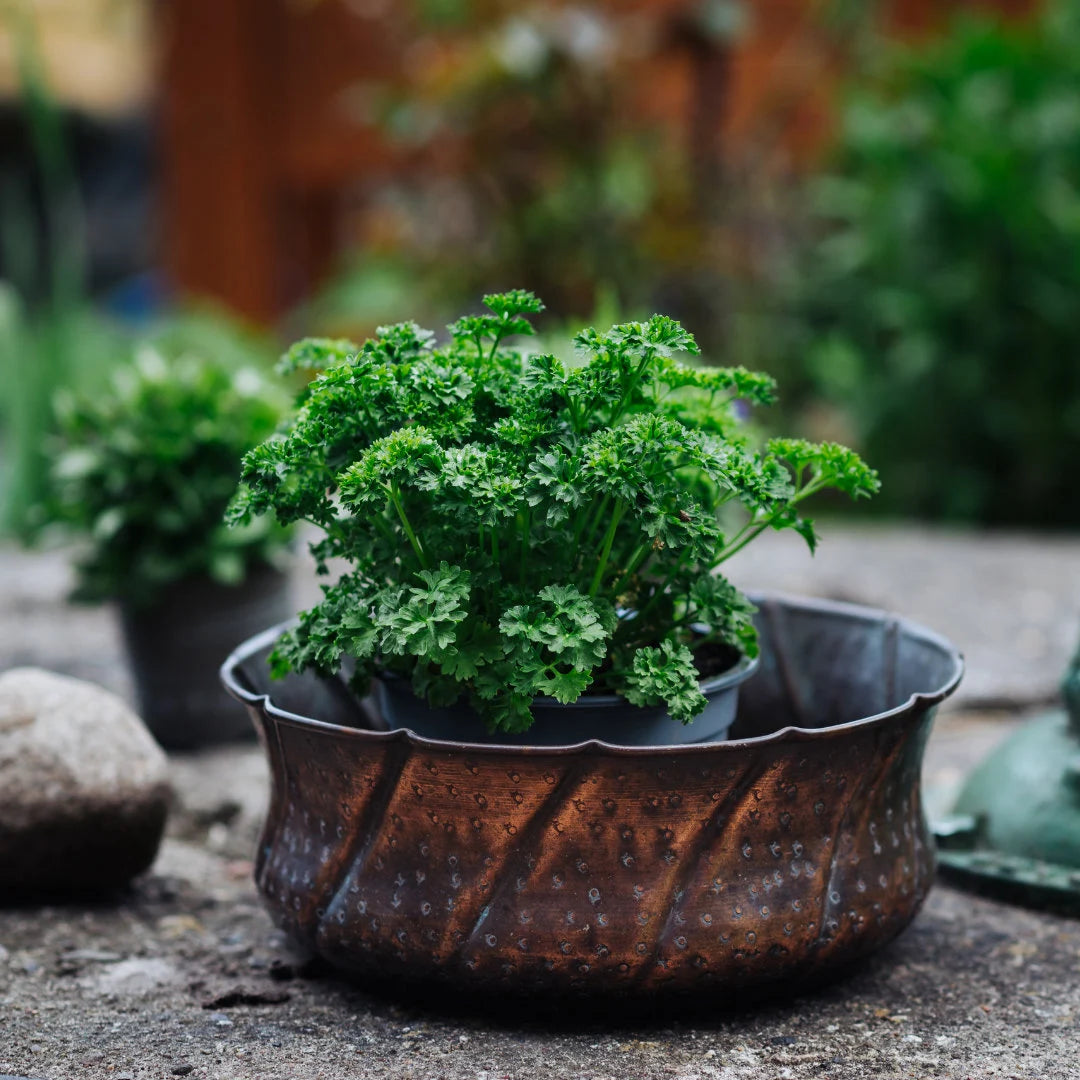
(1010, 602)
(186, 975)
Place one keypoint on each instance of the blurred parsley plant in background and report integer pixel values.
(146, 470)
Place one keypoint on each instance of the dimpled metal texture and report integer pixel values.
(796, 847)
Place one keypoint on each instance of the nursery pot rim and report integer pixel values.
(917, 703)
(739, 672)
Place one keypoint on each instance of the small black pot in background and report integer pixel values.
(175, 647)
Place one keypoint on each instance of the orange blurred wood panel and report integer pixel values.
(220, 152)
(334, 55)
(257, 142)
(783, 74)
(922, 16)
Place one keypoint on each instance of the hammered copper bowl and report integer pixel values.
(794, 849)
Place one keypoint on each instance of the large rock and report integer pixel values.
(83, 788)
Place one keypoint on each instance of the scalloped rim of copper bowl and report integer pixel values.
(916, 702)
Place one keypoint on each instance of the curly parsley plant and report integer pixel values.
(517, 528)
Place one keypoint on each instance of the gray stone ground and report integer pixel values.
(185, 975)
(1010, 602)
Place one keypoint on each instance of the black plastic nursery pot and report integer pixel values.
(771, 859)
(596, 716)
(175, 646)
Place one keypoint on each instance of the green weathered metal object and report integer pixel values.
(1015, 827)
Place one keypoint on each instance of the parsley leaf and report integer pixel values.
(665, 674)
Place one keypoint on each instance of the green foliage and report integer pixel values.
(48, 336)
(145, 471)
(940, 304)
(51, 338)
(40, 352)
(518, 527)
(74, 352)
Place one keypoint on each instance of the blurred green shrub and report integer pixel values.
(552, 165)
(146, 470)
(70, 347)
(48, 335)
(940, 305)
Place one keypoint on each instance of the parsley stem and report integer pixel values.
(744, 537)
(640, 554)
(705, 639)
(525, 525)
(575, 420)
(395, 497)
(662, 588)
(631, 387)
(589, 519)
(495, 344)
(605, 551)
(754, 528)
(736, 542)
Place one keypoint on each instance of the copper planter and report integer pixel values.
(797, 847)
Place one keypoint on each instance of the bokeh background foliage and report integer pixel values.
(939, 292)
(877, 202)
